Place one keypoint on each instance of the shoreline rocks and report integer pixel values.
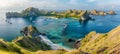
(112, 12)
(102, 13)
(85, 16)
(77, 44)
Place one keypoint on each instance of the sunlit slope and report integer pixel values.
(102, 43)
(93, 43)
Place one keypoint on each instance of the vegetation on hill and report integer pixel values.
(29, 43)
(102, 13)
(35, 12)
(99, 43)
(93, 43)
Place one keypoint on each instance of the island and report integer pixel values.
(27, 13)
(81, 15)
(102, 13)
(35, 12)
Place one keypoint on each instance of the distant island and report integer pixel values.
(27, 13)
(35, 12)
(82, 15)
(102, 13)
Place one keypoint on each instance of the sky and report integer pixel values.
(59, 4)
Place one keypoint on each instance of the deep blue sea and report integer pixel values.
(54, 28)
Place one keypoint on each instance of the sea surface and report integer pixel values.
(57, 30)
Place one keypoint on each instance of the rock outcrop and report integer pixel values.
(31, 39)
(102, 13)
(111, 12)
(30, 31)
(94, 12)
(85, 16)
(77, 43)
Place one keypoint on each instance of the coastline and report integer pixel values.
(53, 45)
(58, 18)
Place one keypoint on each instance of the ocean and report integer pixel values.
(58, 30)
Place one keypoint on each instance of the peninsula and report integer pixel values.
(35, 12)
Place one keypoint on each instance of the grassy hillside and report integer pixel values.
(23, 45)
(98, 43)
(93, 43)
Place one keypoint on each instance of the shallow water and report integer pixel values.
(10, 28)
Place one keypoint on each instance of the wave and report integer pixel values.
(53, 45)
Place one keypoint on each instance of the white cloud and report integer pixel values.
(21, 4)
(91, 0)
(9, 3)
(52, 4)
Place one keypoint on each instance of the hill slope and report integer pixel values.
(99, 43)
(93, 43)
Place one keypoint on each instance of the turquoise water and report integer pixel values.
(54, 28)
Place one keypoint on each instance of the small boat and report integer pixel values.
(10, 23)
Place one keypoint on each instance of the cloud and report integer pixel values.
(91, 0)
(21, 4)
(55, 4)
(7, 3)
